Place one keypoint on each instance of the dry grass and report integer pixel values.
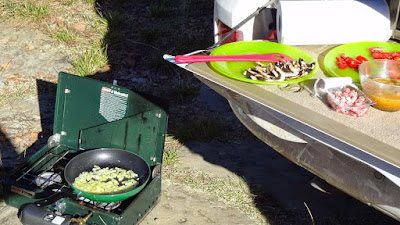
(171, 155)
(15, 89)
(72, 22)
(232, 190)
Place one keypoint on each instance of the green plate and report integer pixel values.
(352, 50)
(235, 70)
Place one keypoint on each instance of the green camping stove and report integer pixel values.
(89, 114)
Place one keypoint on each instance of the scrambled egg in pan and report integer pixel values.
(106, 180)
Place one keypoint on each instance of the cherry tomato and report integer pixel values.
(395, 54)
(377, 55)
(397, 58)
(375, 49)
(387, 55)
(361, 59)
(344, 61)
(353, 63)
(341, 63)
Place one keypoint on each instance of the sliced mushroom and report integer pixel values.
(280, 71)
(276, 74)
(253, 77)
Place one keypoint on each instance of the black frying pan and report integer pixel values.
(108, 157)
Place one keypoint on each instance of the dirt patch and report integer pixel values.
(179, 205)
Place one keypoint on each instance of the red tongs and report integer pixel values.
(271, 57)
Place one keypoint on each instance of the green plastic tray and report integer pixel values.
(352, 50)
(235, 70)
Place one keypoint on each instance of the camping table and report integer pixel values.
(360, 156)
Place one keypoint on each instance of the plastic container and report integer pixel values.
(343, 96)
(380, 80)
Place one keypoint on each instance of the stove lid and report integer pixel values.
(84, 103)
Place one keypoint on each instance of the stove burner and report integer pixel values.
(103, 205)
(47, 178)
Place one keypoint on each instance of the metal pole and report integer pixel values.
(240, 24)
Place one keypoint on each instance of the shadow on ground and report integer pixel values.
(10, 159)
(7, 153)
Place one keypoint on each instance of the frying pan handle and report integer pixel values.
(53, 198)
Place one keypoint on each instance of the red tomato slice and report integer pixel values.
(377, 55)
(353, 63)
(395, 54)
(341, 63)
(361, 58)
(375, 49)
(387, 55)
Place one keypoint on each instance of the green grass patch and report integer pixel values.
(66, 36)
(170, 157)
(68, 2)
(91, 2)
(10, 7)
(99, 23)
(113, 27)
(33, 10)
(91, 60)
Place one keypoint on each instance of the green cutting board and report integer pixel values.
(352, 50)
(235, 70)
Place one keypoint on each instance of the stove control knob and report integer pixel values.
(60, 207)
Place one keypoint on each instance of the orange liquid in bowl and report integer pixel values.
(386, 98)
(388, 81)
